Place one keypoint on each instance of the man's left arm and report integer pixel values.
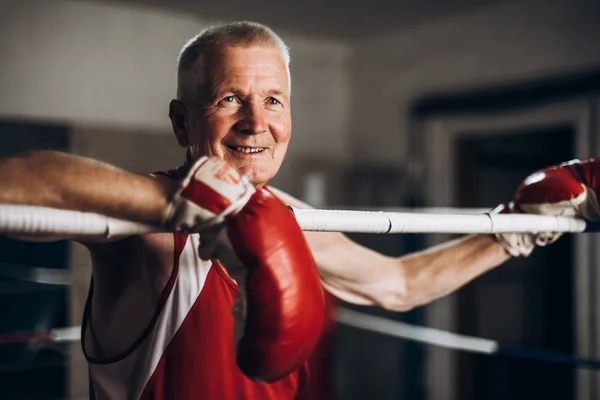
(362, 276)
(359, 275)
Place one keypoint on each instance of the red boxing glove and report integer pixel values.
(254, 228)
(570, 189)
(283, 289)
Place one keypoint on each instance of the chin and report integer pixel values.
(257, 178)
(259, 173)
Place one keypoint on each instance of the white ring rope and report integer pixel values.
(435, 337)
(391, 222)
(371, 323)
(49, 221)
(44, 276)
(431, 336)
(69, 334)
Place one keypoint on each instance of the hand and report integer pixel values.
(211, 193)
(570, 189)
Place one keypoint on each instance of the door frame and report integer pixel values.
(440, 135)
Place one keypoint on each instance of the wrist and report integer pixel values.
(167, 188)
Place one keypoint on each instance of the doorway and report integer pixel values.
(478, 160)
(528, 301)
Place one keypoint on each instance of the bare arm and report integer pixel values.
(60, 180)
(362, 276)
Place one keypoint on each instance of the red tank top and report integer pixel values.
(187, 351)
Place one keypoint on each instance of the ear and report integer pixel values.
(178, 116)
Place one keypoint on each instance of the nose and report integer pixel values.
(253, 120)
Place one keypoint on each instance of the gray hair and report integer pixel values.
(241, 33)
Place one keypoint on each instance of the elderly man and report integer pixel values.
(159, 320)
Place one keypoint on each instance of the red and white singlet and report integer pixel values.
(187, 350)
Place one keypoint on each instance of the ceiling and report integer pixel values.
(349, 19)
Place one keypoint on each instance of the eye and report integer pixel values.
(273, 101)
(229, 101)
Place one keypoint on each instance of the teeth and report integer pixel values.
(249, 149)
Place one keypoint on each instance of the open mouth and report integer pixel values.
(247, 150)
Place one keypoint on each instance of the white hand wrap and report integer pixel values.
(212, 191)
(522, 244)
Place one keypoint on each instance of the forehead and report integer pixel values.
(252, 65)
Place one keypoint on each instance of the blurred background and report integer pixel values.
(395, 104)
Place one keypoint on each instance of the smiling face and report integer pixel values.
(241, 111)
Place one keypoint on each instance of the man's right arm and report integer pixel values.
(64, 181)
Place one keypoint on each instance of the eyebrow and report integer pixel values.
(238, 92)
(276, 92)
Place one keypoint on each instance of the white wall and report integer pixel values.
(112, 65)
(512, 41)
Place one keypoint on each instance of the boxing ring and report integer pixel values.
(25, 220)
